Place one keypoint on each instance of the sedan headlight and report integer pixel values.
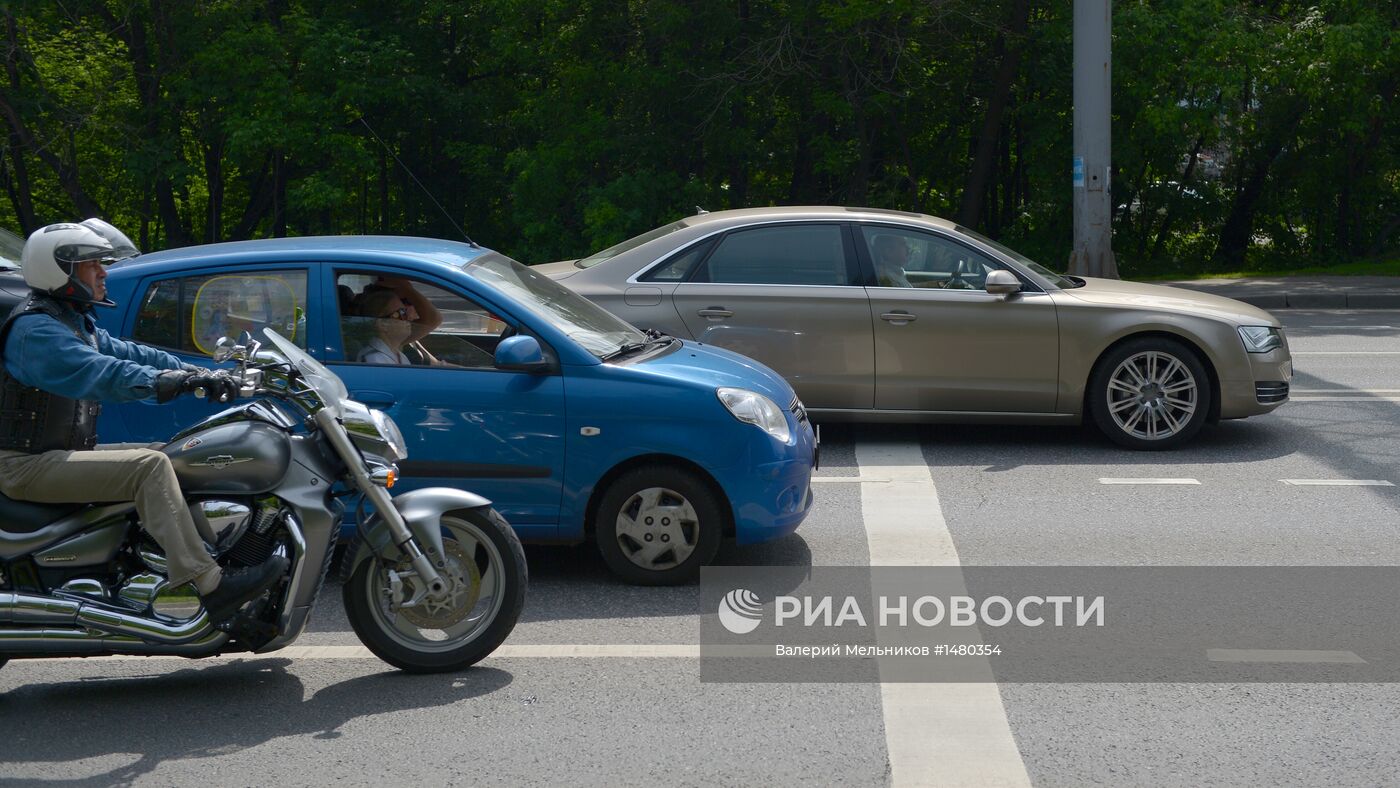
(1261, 339)
(756, 409)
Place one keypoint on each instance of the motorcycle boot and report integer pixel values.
(239, 586)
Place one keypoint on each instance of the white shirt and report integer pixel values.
(379, 352)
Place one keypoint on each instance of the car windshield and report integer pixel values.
(1058, 280)
(596, 329)
(11, 246)
(629, 244)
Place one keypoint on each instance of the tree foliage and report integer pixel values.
(1244, 132)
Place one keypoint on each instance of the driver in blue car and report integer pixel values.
(58, 366)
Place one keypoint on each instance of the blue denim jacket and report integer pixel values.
(43, 353)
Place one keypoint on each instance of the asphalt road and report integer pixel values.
(1009, 495)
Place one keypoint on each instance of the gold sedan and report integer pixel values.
(877, 315)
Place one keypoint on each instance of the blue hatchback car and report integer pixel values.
(574, 423)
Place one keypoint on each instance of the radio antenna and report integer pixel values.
(427, 193)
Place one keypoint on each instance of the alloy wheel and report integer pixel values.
(1152, 395)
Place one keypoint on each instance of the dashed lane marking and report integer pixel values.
(1103, 480)
(1282, 655)
(1337, 482)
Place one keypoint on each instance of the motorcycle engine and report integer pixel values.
(258, 539)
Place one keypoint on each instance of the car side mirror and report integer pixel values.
(521, 353)
(1003, 283)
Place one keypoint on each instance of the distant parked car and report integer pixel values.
(877, 315)
(575, 424)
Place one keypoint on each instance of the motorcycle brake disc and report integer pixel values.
(463, 591)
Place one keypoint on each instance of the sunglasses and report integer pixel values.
(401, 313)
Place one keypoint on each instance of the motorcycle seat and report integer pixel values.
(23, 517)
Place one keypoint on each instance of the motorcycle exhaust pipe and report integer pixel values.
(33, 609)
(18, 643)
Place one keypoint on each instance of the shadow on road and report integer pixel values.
(572, 582)
(205, 712)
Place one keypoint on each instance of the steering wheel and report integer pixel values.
(956, 281)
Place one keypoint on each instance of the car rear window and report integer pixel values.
(630, 244)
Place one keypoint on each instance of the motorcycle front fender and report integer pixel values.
(422, 510)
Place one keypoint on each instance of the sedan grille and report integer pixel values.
(1271, 391)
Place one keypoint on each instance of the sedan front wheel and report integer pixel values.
(1150, 393)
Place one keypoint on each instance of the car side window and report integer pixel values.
(678, 267)
(802, 254)
(407, 322)
(909, 258)
(189, 314)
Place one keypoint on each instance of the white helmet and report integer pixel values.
(52, 253)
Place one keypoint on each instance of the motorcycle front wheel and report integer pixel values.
(486, 576)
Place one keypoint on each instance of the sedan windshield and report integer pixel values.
(1058, 280)
(596, 329)
(629, 244)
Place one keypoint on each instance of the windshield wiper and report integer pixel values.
(654, 337)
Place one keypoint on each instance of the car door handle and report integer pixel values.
(899, 318)
(715, 313)
(374, 399)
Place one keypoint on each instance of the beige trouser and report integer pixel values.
(141, 475)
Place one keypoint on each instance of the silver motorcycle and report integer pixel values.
(434, 580)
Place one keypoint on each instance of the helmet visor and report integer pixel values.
(121, 246)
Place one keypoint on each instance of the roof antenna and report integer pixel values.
(429, 194)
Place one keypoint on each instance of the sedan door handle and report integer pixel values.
(899, 318)
(715, 313)
(374, 399)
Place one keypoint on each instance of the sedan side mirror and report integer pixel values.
(1002, 283)
(521, 353)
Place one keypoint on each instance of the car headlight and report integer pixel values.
(756, 409)
(1261, 339)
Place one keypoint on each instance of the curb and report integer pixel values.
(1317, 300)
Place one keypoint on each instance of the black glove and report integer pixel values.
(217, 384)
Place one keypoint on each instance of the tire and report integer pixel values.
(657, 526)
(1150, 394)
(408, 648)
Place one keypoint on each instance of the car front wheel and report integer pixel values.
(657, 526)
(1150, 393)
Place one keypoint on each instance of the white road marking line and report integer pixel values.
(1313, 328)
(1103, 480)
(843, 479)
(1282, 655)
(506, 651)
(1337, 482)
(1346, 352)
(936, 734)
(1308, 392)
(1344, 399)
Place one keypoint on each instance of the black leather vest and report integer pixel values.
(33, 420)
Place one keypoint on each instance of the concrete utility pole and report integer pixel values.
(1093, 207)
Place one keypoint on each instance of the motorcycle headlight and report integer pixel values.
(391, 434)
(756, 409)
(374, 431)
(1261, 339)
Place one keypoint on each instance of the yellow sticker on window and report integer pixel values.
(226, 306)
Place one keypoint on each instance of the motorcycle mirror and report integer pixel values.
(245, 339)
(224, 350)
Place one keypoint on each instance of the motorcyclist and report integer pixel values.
(58, 366)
